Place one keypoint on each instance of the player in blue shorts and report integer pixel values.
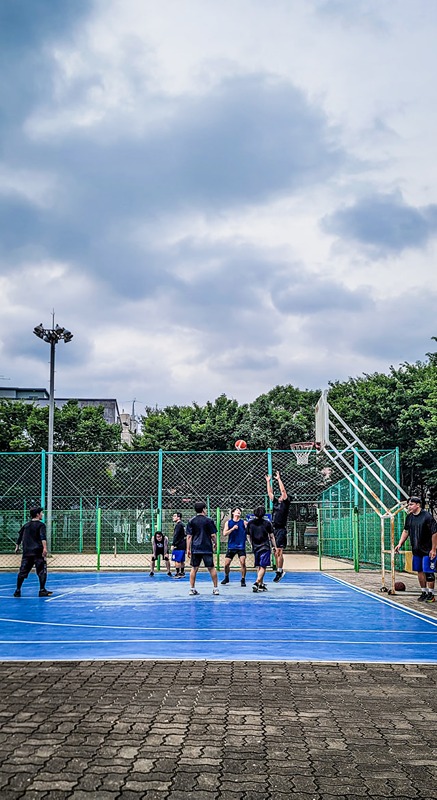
(179, 545)
(261, 536)
(235, 528)
(421, 527)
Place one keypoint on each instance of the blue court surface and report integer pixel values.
(305, 617)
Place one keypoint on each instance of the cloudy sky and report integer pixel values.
(216, 195)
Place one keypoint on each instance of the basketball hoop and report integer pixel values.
(302, 451)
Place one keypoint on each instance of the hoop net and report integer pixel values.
(302, 451)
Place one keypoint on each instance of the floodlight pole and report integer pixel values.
(51, 335)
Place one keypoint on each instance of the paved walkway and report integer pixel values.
(219, 731)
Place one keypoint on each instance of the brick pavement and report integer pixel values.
(216, 731)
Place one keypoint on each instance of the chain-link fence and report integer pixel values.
(107, 506)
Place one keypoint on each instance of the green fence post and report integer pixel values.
(159, 514)
(43, 478)
(80, 524)
(98, 533)
(24, 511)
(218, 525)
(152, 518)
(208, 508)
(319, 537)
(355, 540)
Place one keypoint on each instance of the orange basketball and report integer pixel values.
(240, 444)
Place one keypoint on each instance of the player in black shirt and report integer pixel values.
(33, 538)
(281, 508)
(201, 541)
(421, 527)
(179, 545)
(260, 533)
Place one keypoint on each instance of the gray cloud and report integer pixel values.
(384, 223)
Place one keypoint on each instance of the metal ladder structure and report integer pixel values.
(335, 438)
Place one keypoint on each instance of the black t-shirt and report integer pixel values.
(280, 513)
(420, 528)
(201, 528)
(179, 539)
(32, 535)
(258, 531)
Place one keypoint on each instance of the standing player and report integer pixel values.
(201, 540)
(179, 545)
(421, 527)
(260, 533)
(280, 513)
(33, 537)
(160, 550)
(235, 528)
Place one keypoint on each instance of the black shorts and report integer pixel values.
(197, 558)
(232, 553)
(281, 538)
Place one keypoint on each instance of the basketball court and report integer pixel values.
(306, 617)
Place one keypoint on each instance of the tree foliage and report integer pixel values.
(24, 427)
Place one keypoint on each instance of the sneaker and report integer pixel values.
(215, 591)
(243, 582)
(183, 574)
(17, 593)
(255, 587)
(151, 574)
(430, 598)
(169, 574)
(225, 580)
(193, 591)
(422, 597)
(44, 593)
(263, 588)
(278, 576)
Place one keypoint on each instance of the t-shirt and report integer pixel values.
(236, 539)
(32, 535)
(280, 513)
(258, 531)
(160, 548)
(179, 539)
(420, 528)
(201, 528)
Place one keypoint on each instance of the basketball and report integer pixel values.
(240, 444)
(400, 586)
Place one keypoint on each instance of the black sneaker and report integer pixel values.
(169, 574)
(255, 587)
(422, 597)
(225, 580)
(151, 574)
(243, 582)
(430, 598)
(17, 593)
(263, 588)
(278, 576)
(44, 593)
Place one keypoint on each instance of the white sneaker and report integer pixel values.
(193, 591)
(215, 591)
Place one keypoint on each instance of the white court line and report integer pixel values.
(72, 591)
(409, 611)
(178, 627)
(153, 640)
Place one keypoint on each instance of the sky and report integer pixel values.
(216, 196)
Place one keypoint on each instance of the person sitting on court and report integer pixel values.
(201, 541)
(261, 536)
(235, 528)
(280, 514)
(33, 537)
(421, 527)
(160, 550)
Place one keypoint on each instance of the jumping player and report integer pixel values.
(235, 528)
(421, 527)
(160, 550)
(33, 537)
(261, 536)
(201, 540)
(179, 545)
(280, 513)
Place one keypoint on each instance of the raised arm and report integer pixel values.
(281, 486)
(269, 488)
